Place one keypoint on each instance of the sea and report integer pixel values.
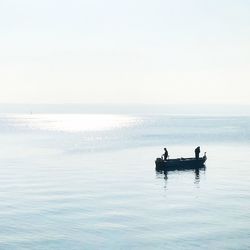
(87, 180)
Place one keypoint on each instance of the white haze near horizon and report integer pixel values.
(151, 52)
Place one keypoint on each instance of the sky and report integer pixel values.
(133, 51)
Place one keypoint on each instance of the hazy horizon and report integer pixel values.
(118, 108)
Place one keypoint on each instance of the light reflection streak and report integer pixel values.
(73, 122)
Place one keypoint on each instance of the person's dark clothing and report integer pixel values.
(165, 155)
(197, 152)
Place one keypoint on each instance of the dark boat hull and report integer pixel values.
(180, 163)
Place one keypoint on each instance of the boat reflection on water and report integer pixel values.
(197, 175)
(196, 171)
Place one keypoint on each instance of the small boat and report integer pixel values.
(180, 163)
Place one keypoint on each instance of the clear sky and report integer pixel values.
(133, 51)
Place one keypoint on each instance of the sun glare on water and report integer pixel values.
(74, 122)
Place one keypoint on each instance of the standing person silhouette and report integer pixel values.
(165, 155)
(197, 152)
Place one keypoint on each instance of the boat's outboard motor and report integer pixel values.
(158, 160)
(159, 164)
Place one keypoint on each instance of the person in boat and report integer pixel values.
(165, 155)
(197, 153)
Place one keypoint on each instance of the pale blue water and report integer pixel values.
(89, 182)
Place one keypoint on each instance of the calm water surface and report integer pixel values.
(88, 182)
